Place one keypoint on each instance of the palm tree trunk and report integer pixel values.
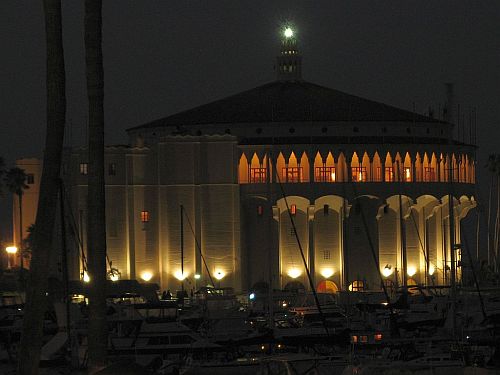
(96, 235)
(31, 339)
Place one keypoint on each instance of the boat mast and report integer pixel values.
(182, 250)
(402, 229)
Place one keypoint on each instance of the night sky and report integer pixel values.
(163, 56)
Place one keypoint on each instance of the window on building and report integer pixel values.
(84, 168)
(429, 174)
(407, 174)
(389, 174)
(378, 174)
(260, 210)
(326, 254)
(145, 216)
(324, 174)
(326, 208)
(293, 209)
(112, 169)
(292, 174)
(258, 175)
(30, 178)
(358, 174)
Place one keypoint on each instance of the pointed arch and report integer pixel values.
(435, 168)
(341, 169)
(257, 172)
(356, 169)
(243, 170)
(398, 168)
(304, 168)
(388, 168)
(443, 168)
(418, 168)
(281, 168)
(407, 175)
(376, 168)
(365, 168)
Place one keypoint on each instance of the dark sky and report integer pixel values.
(162, 56)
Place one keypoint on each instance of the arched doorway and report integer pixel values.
(327, 286)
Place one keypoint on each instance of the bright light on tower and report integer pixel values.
(11, 249)
(288, 33)
(197, 276)
(294, 273)
(146, 276)
(114, 277)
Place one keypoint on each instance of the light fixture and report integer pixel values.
(432, 269)
(197, 276)
(294, 273)
(251, 296)
(86, 277)
(288, 32)
(387, 270)
(114, 274)
(327, 272)
(412, 270)
(180, 276)
(219, 274)
(11, 249)
(146, 276)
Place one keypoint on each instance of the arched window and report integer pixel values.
(358, 171)
(365, 164)
(341, 169)
(418, 168)
(257, 171)
(388, 169)
(407, 169)
(243, 170)
(292, 172)
(357, 286)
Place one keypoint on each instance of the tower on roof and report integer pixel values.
(289, 62)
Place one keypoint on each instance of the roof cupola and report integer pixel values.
(289, 62)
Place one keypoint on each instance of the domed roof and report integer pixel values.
(289, 101)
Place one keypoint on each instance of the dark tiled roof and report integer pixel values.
(287, 101)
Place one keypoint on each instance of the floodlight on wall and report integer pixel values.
(294, 273)
(11, 249)
(197, 276)
(432, 269)
(180, 276)
(412, 270)
(387, 270)
(327, 272)
(146, 276)
(219, 274)
(85, 277)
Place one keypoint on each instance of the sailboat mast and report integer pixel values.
(402, 229)
(182, 247)
(451, 221)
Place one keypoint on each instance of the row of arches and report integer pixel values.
(297, 168)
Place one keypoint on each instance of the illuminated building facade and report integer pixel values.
(366, 185)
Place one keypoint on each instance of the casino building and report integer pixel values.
(363, 188)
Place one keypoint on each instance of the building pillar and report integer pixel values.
(310, 220)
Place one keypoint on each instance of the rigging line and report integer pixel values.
(372, 247)
(476, 283)
(311, 284)
(75, 233)
(198, 247)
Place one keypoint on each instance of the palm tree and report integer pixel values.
(96, 234)
(15, 181)
(31, 337)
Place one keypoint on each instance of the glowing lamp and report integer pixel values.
(86, 277)
(432, 269)
(327, 272)
(288, 32)
(114, 277)
(179, 275)
(251, 296)
(146, 276)
(294, 273)
(411, 271)
(11, 249)
(197, 276)
(219, 274)
(387, 271)
(333, 176)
